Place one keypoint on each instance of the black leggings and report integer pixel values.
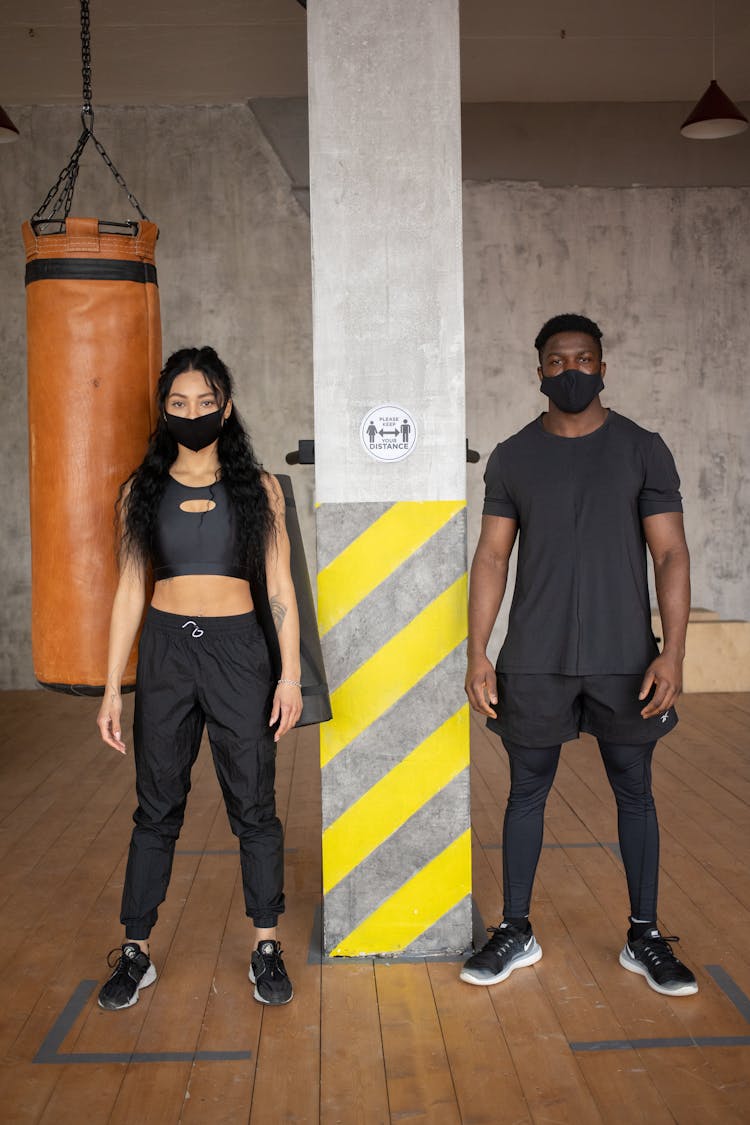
(212, 672)
(532, 771)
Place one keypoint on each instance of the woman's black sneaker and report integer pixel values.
(133, 971)
(267, 973)
(652, 957)
(507, 949)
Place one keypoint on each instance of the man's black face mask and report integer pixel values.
(572, 390)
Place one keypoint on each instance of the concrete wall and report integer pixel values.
(591, 144)
(665, 270)
(597, 144)
(234, 270)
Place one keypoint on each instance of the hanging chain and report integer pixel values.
(86, 107)
(65, 181)
(60, 195)
(118, 176)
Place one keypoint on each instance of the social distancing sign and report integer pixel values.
(388, 433)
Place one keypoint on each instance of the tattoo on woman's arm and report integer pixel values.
(278, 611)
(112, 684)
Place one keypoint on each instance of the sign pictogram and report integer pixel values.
(388, 433)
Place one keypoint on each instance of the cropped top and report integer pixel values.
(195, 542)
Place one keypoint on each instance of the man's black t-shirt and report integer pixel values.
(581, 604)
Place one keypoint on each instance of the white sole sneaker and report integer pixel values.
(262, 999)
(148, 978)
(632, 966)
(529, 957)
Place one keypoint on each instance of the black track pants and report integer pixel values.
(532, 771)
(212, 671)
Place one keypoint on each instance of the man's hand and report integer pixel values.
(665, 675)
(481, 686)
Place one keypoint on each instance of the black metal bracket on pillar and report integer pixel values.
(304, 454)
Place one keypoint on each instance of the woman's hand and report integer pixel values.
(109, 720)
(287, 708)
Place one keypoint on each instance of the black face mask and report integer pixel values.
(572, 391)
(195, 433)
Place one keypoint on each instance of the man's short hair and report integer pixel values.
(567, 322)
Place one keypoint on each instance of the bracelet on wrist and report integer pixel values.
(291, 683)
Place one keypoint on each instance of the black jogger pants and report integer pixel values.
(213, 672)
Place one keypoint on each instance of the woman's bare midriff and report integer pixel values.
(203, 595)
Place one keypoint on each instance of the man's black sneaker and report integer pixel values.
(133, 971)
(267, 973)
(507, 949)
(652, 957)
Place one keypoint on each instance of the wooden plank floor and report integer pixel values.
(574, 1039)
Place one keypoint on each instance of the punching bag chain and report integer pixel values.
(59, 198)
(86, 108)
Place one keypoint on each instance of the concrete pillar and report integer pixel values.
(385, 184)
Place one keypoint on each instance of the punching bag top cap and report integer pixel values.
(82, 238)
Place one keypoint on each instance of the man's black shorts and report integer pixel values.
(545, 709)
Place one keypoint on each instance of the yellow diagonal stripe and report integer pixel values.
(396, 797)
(415, 906)
(376, 553)
(394, 669)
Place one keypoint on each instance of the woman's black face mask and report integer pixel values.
(195, 433)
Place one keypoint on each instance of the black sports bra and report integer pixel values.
(195, 542)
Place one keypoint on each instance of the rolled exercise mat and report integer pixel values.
(94, 353)
(316, 703)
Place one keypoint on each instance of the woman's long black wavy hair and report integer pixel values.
(141, 493)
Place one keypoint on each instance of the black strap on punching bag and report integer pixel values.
(316, 703)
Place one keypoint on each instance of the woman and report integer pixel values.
(204, 516)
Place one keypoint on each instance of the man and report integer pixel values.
(586, 490)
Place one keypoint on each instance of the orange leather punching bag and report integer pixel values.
(94, 354)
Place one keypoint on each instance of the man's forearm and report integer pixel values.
(672, 576)
(486, 591)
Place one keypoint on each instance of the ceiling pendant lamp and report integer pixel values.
(715, 115)
(8, 131)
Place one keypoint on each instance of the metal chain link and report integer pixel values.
(117, 175)
(69, 171)
(61, 192)
(86, 58)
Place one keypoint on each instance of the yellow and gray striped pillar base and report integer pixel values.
(395, 757)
